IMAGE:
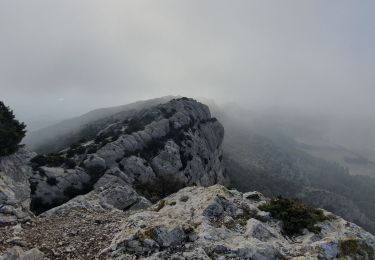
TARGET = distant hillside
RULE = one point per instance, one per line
(48, 139)
(356, 163)
(279, 166)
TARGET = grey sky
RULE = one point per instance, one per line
(63, 58)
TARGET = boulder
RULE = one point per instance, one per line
(17, 253)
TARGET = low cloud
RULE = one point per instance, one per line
(314, 56)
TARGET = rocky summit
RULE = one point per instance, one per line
(151, 184)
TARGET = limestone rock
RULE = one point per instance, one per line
(54, 186)
(95, 162)
(14, 187)
(218, 223)
(17, 253)
(137, 168)
(178, 140)
(111, 192)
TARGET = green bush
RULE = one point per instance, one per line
(295, 215)
(75, 149)
(52, 181)
(138, 124)
(72, 192)
(152, 149)
(52, 160)
(91, 149)
(160, 187)
(11, 131)
(354, 248)
(167, 113)
(134, 125)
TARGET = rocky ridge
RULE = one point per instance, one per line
(177, 140)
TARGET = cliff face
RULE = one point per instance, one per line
(14, 187)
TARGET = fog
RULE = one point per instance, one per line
(62, 58)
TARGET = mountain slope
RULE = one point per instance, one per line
(279, 166)
(49, 139)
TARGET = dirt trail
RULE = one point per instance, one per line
(75, 234)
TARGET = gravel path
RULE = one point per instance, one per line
(77, 234)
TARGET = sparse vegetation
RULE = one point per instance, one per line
(52, 181)
(11, 131)
(37, 204)
(208, 120)
(52, 160)
(167, 113)
(185, 158)
(353, 248)
(160, 205)
(152, 149)
(33, 186)
(235, 221)
(95, 172)
(75, 149)
(295, 215)
(133, 125)
(184, 198)
(160, 187)
(72, 192)
(91, 149)
(138, 124)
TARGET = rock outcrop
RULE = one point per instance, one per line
(112, 191)
(177, 141)
(15, 188)
(194, 223)
(216, 223)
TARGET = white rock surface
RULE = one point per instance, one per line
(112, 192)
(216, 223)
(17, 253)
(14, 187)
(189, 139)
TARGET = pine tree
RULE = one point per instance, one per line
(11, 131)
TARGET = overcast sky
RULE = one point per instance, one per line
(63, 58)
